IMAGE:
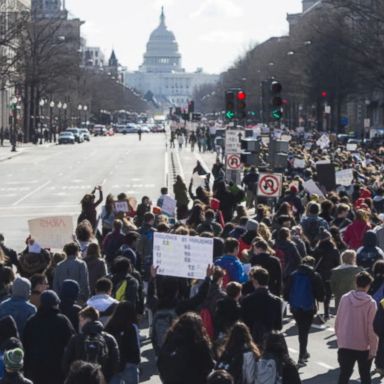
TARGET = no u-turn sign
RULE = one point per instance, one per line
(269, 185)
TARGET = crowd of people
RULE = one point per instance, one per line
(75, 316)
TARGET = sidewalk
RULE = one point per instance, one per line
(7, 154)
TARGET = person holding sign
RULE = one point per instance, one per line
(88, 207)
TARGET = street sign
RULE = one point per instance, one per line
(367, 123)
(233, 162)
(327, 109)
(269, 185)
(233, 141)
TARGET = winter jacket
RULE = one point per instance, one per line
(343, 280)
(46, 334)
(369, 253)
(228, 311)
(327, 257)
(288, 255)
(15, 378)
(73, 351)
(354, 322)
(354, 234)
(75, 269)
(111, 244)
(295, 202)
(262, 312)
(20, 309)
(312, 225)
(273, 266)
(181, 193)
(233, 267)
(97, 269)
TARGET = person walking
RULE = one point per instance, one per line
(303, 289)
(14, 362)
(181, 196)
(356, 338)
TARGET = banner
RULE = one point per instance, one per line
(52, 232)
(344, 177)
(182, 256)
(311, 187)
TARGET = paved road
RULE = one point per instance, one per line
(51, 180)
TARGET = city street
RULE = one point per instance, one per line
(51, 180)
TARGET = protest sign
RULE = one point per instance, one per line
(169, 206)
(351, 147)
(121, 206)
(344, 177)
(323, 142)
(52, 232)
(326, 175)
(299, 163)
(233, 141)
(182, 256)
(311, 187)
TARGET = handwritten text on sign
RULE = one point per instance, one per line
(52, 232)
(182, 256)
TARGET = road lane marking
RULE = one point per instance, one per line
(21, 182)
(181, 170)
(326, 366)
(31, 193)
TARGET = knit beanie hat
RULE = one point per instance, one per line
(252, 225)
(69, 290)
(21, 288)
(49, 299)
(14, 359)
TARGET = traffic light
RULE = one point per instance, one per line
(324, 94)
(241, 98)
(230, 105)
(191, 106)
(277, 101)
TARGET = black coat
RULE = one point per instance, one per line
(14, 378)
(273, 266)
(327, 257)
(262, 310)
(73, 351)
(228, 311)
(46, 335)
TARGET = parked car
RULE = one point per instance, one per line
(99, 130)
(79, 137)
(66, 138)
(86, 134)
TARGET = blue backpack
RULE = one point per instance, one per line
(301, 294)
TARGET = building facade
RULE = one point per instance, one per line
(161, 73)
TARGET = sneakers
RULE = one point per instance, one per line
(306, 356)
(301, 363)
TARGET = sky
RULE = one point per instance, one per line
(211, 34)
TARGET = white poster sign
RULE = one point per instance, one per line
(323, 142)
(182, 256)
(299, 163)
(233, 141)
(169, 206)
(52, 232)
(121, 206)
(351, 147)
(344, 177)
(311, 187)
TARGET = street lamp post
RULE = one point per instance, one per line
(14, 115)
(65, 115)
(51, 131)
(41, 103)
(59, 106)
(85, 108)
(79, 108)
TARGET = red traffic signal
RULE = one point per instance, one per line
(241, 95)
(324, 94)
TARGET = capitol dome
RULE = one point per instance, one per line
(162, 53)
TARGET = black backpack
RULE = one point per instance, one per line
(93, 348)
(233, 364)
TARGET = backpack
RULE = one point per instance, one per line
(233, 365)
(312, 230)
(206, 317)
(161, 322)
(379, 294)
(268, 372)
(93, 349)
(127, 290)
(301, 294)
(112, 247)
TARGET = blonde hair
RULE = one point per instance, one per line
(264, 232)
(348, 257)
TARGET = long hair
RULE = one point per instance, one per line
(123, 316)
(109, 203)
(84, 231)
(277, 346)
(197, 215)
(189, 329)
(82, 372)
(93, 251)
(239, 338)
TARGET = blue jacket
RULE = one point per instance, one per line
(233, 266)
(20, 309)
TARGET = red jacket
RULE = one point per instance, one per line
(353, 235)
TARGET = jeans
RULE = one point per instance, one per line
(304, 321)
(347, 359)
(129, 375)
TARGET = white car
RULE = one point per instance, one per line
(66, 138)
(86, 134)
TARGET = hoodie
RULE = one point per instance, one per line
(369, 253)
(354, 322)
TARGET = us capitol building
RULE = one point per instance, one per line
(161, 73)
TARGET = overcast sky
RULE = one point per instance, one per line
(211, 33)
